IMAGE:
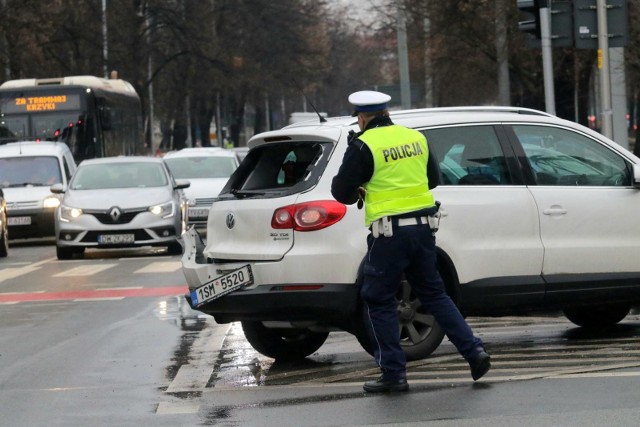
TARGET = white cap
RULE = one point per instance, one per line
(368, 100)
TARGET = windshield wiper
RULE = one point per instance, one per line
(242, 194)
(24, 184)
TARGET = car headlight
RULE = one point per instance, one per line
(51, 202)
(164, 210)
(68, 214)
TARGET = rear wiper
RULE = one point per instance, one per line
(241, 194)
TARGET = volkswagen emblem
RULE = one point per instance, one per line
(231, 220)
(115, 213)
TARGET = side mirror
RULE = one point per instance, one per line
(182, 183)
(636, 175)
(57, 188)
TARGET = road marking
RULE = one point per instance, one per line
(161, 267)
(92, 294)
(195, 375)
(85, 270)
(98, 299)
(174, 408)
(12, 273)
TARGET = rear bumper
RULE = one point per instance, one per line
(323, 303)
(330, 305)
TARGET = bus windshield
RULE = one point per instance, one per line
(48, 127)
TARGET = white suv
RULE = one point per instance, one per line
(538, 213)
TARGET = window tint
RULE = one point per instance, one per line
(562, 157)
(468, 155)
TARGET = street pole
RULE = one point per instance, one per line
(547, 58)
(104, 40)
(403, 58)
(603, 65)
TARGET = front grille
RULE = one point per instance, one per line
(22, 205)
(125, 217)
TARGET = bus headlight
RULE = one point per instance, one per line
(165, 210)
(68, 214)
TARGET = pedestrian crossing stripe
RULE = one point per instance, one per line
(85, 270)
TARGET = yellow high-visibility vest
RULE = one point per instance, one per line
(399, 183)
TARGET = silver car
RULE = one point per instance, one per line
(117, 202)
(208, 169)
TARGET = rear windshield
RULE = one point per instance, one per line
(275, 170)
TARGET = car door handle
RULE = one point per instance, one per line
(554, 210)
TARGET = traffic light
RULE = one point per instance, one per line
(561, 22)
(531, 13)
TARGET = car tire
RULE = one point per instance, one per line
(283, 344)
(600, 316)
(4, 242)
(64, 253)
(420, 334)
(174, 248)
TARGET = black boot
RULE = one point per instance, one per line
(383, 385)
(480, 365)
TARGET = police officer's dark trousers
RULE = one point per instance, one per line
(411, 250)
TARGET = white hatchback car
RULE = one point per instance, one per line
(538, 213)
(120, 202)
(207, 169)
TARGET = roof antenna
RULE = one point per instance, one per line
(322, 119)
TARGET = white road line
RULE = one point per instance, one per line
(161, 267)
(173, 408)
(21, 293)
(12, 273)
(194, 376)
(85, 270)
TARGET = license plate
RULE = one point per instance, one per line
(19, 220)
(115, 239)
(198, 212)
(222, 285)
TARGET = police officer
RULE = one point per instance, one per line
(386, 165)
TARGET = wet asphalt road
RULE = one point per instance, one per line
(109, 341)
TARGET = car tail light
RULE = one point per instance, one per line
(308, 216)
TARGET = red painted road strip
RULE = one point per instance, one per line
(96, 293)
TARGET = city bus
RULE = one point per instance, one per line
(95, 117)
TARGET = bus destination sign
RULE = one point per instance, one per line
(33, 104)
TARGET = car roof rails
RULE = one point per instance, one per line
(473, 109)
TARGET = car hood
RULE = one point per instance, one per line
(124, 198)
(204, 188)
(25, 194)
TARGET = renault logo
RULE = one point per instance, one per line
(231, 220)
(115, 213)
